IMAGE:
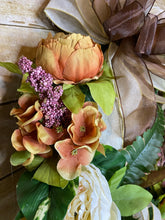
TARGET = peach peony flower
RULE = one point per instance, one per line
(70, 58)
(87, 125)
(31, 134)
(73, 157)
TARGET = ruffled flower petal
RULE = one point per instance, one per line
(72, 157)
(46, 135)
(34, 147)
(93, 199)
(17, 141)
(70, 58)
(86, 126)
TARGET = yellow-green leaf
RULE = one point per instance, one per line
(73, 98)
(19, 157)
(131, 199)
(11, 67)
(103, 93)
(47, 173)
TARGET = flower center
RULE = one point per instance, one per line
(82, 129)
(74, 152)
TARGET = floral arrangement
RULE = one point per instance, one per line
(90, 114)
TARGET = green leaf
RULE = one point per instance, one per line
(35, 163)
(19, 157)
(19, 215)
(42, 210)
(103, 93)
(60, 199)
(143, 153)
(107, 72)
(30, 194)
(85, 89)
(40, 201)
(110, 163)
(47, 173)
(11, 67)
(161, 205)
(67, 86)
(130, 199)
(25, 86)
(128, 218)
(102, 90)
(116, 179)
(73, 98)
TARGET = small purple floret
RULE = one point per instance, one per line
(40, 80)
(25, 65)
(52, 107)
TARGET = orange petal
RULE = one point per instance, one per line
(84, 129)
(47, 56)
(85, 155)
(38, 116)
(37, 106)
(47, 155)
(73, 157)
(46, 135)
(83, 63)
(29, 111)
(84, 43)
(16, 111)
(64, 148)
(26, 100)
(34, 147)
(17, 141)
(68, 169)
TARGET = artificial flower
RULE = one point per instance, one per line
(51, 105)
(135, 56)
(85, 131)
(28, 112)
(31, 134)
(87, 125)
(93, 200)
(73, 157)
(70, 58)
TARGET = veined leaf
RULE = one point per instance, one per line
(35, 163)
(67, 86)
(143, 153)
(116, 179)
(131, 199)
(19, 215)
(42, 210)
(30, 194)
(161, 205)
(110, 163)
(47, 173)
(60, 199)
(102, 90)
(73, 98)
(39, 201)
(11, 67)
(19, 157)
